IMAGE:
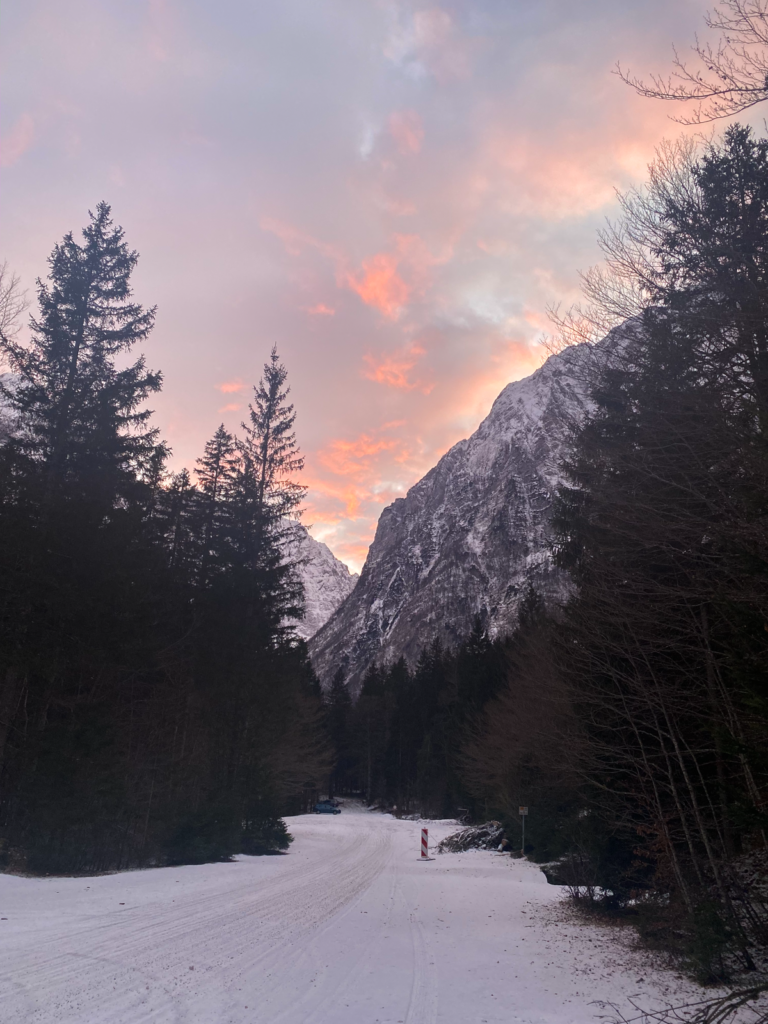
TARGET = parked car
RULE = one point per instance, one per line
(326, 807)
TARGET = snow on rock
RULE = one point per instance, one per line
(470, 536)
(327, 581)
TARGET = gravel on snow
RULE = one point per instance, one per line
(350, 927)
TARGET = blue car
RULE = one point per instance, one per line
(326, 807)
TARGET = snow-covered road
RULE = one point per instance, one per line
(348, 928)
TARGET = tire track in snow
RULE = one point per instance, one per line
(135, 966)
(422, 1004)
(366, 956)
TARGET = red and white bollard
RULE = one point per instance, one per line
(425, 844)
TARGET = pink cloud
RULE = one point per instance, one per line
(296, 241)
(321, 310)
(379, 285)
(494, 247)
(393, 369)
(406, 129)
(389, 280)
(230, 387)
(398, 207)
(386, 281)
(18, 140)
(353, 458)
(232, 407)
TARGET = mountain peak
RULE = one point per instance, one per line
(327, 581)
(470, 536)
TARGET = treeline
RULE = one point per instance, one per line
(633, 721)
(664, 529)
(397, 744)
(154, 706)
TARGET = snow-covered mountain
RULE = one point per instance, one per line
(469, 537)
(327, 581)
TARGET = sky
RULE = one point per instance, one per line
(391, 193)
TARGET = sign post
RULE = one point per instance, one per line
(425, 844)
(523, 816)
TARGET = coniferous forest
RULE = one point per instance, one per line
(157, 708)
(510, 763)
(633, 718)
(154, 707)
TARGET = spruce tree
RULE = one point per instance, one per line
(83, 431)
(263, 494)
(76, 484)
(213, 472)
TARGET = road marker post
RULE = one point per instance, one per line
(425, 844)
(523, 816)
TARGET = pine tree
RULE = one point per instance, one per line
(263, 494)
(214, 471)
(141, 616)
(83, 428)
(78, 477)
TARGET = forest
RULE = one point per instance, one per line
(154, 706)
(631, 720)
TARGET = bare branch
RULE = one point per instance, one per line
(626, 283)
(13, 303)
(726, 79)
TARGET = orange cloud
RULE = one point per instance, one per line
(345, 501)
(352, 458)
(380, 285)
(406, 129)
(17, 141)
(354, 554)
(321, 310)
(232, 407)
(353, 478)
(393, 370)
(230, 387)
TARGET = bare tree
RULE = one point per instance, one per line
(628, 280)
(13, 302)
(727, 78)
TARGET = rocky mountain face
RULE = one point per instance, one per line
(470, 536)
(327, 581)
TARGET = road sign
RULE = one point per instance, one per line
(523, 811)
(424, 844)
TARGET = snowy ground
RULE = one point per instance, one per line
(348, 928)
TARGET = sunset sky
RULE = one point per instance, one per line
(392, 193)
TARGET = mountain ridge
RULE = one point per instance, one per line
(470, 536)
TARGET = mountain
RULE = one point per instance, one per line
(327, 581)
(470, 536)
